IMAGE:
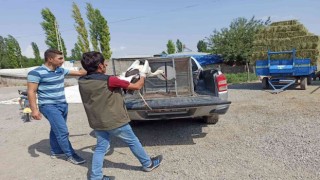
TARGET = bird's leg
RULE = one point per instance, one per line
(144, 101)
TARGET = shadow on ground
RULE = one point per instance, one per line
(150, 133)
(258, 86)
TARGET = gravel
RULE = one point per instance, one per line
(262, 136)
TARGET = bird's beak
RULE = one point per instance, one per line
(164, 76)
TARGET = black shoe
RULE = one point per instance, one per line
(108, 178)
(155, 162)
(75, 159)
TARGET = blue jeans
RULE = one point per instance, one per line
(59, 135)
(126, 134)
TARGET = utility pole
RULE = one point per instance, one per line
(58, 36)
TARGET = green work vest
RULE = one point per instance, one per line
(105, 109)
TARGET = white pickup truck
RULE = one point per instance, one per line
(187, 92)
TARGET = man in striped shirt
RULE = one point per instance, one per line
(48, 82)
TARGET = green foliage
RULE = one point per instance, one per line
(99, 31)
(36, 53)
(235, 43)
(13, 52)
(3, 53)
(11, 57)
(104, 36)
(50, 26)
(202, 46)
(179, 46)
(83, 41)
(29, 62)
(170, 47)
(93, 26)
(240, 78)
(76, 52)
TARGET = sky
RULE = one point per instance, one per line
(143, 27)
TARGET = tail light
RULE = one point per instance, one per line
(222, 82)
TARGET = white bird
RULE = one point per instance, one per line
(123, 76)
(158, 73)
(136, 68)
(132, 75)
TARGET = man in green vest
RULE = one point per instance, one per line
(107, 114)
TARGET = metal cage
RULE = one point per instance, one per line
(179, 81)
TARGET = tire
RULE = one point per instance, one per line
(303, 83)
(211, 119)
(27, 117)
(265, 83)
(309, 80)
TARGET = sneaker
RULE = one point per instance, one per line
(155, 162)
(75, 159)
(108, 178)
(57, 156)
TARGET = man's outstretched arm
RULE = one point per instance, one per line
(81, 72)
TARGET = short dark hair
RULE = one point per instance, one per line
(51, 53)
(91, 60)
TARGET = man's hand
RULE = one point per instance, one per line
(36, 114)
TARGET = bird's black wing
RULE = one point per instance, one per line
(133, 80)
(131, 72)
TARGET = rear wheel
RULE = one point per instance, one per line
(309, 80)
(303, 83)
(265, 83)
(28, 117)
(213, 119)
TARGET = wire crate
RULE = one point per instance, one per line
(178, 71)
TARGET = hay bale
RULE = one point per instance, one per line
(284, 36)
(284, 23)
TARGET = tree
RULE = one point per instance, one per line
(99, 31)
(179, 46)
(50, 26)
(202, 46)
(104, 36)
(83, 41)
(36, 53)
(235, 43)
(13, 52)
(3, 53)
(93, 26)
(170, 47)
(76, 52)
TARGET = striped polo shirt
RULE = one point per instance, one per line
(50, 84)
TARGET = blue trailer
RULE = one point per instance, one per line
(282, 73)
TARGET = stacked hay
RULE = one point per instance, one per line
(284, 36)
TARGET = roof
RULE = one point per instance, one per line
(202, 58)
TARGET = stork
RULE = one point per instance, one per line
(132, 75)
(135, 68)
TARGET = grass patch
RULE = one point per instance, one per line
(240, 78)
